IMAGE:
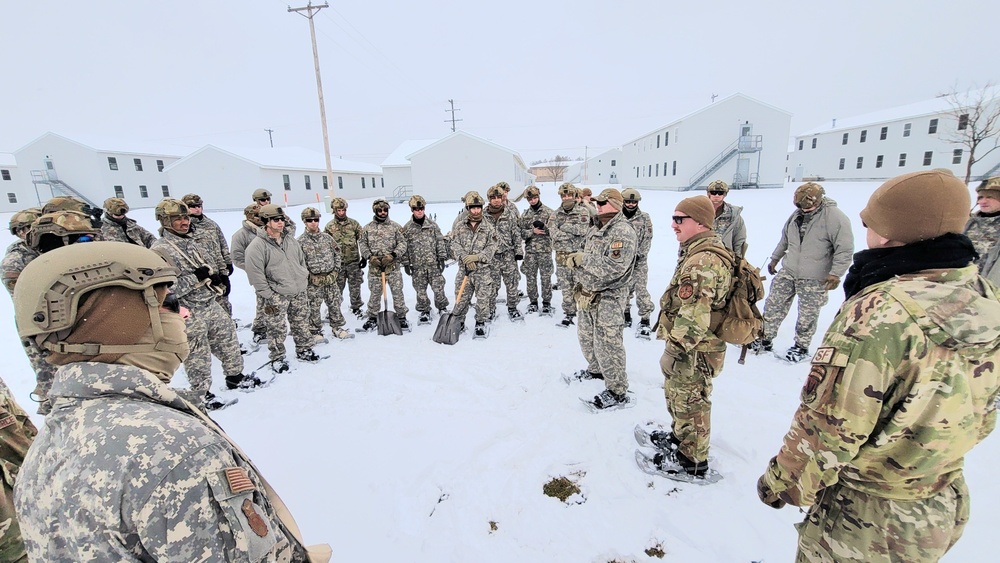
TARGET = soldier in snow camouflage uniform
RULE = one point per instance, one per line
(643, 226)
(347, 232)
(119, 227)
(426, 252)
(603, 274)
(323, 262)
(262, 197)
(693, 355)
(208, 233)
(209, 328)
(18, 254)
(16, 434)
(537, 265)
(241, 239)
(124, 468)
(473, 243)
(983, 227)
(903, 386)
(382, 244)
(729, 223)
(510, 249)
(567, 227)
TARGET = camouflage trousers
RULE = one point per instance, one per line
(567, 281)
(599, 330)
(44, 374)
(394, 281)
(478, 284)
(432, 276)
(258, 326)
(537, 269)
(783, 289)
(687, 386)
(333, 297)
(504, 267)
(223, 300)
(640, 281)
(281, 311)
(210, 331)
(351, 276)
(846, 525)
(16, 437)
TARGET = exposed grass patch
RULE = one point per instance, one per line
(561, 488)
(656, 551)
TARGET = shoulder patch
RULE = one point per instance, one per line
(617, 245)
(256, 521)
(824, 356)
(816, 376)
(238, 480)
(685, 291)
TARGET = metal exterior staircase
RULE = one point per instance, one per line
(742, 145)
(59, 188)
(402, 193)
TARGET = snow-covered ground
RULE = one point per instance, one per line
(400, 449)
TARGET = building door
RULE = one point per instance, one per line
(50, 170)
(742, 172)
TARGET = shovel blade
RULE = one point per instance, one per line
(448, 329)
(388, 324)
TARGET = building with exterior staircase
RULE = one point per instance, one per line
(737, 139)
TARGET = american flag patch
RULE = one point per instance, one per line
(617, 244)
(7, 421)
(239, 481)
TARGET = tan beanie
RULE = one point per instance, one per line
(918, 206)
(612, 196)
(700, 209)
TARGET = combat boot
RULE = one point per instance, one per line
(212, 403)
(514, 314)
(370, 325)
(608, 398)
(644, 329)
(761, 345)
(480, 331)
(628, 317)
(796, 354)
(403, 324)
(664, 440)
(425, 317)
(532, 308)
(568, 321)
(357, 313)
(342, 334)
(279, 365)
(259, 337)
(675, 457)
(307, 356)
(546, 309)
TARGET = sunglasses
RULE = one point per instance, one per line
(679, 219)
(599, 202)
(717, 192)
(85, 238)
(276, 219)
(311, 220)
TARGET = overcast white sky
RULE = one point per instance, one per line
(539, 76)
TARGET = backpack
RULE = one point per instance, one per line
(739, 321)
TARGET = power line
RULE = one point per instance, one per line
(452, 110)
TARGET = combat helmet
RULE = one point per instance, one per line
(67, 203)
(417, 202)
(631, 195)
(495, 191)
(567, 189)
(338, 203)
(260, 194)
(250, 212)
(23, 219)
(532, 191)
(115, 206)
(473, 199)
(169, 208)
(809, 195)
(310, 213)
(193, 200)
(718, 185)
(271, 211)
(61, 228)
(380, 203)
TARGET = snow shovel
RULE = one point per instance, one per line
(387, 321)
(449, 326)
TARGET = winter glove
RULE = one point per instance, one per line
(574, 260)
(831, 283)
(387, 260)
(519, 257)
(221, 280)
(766, 496)
(270, 307)
(538, 225)
(375, 263)
(584, 299)
(362, 263)
(470, 259)
(229, 269)
(408, 270)
(674, 360)
(201, 272)
(772, 268)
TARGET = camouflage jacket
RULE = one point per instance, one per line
(276, 268)
(379, 239)
(241, 239)
(731, 229)
(187, 254)
(508, 227)
(346, 233)
(425, 245)
(699, 286)
(130, 232)
(817, 244)
(643, 226)
(209, 242)
(481, 241)
(16, 435)
(568, 228)
(204, 224)
(17, 257)
(984, 232)
(536, 244)
(143, 478)
(322, 254)
(903, 385)
(608, 256)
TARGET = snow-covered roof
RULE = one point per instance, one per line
(399, 156)
(474, 137)
(704, 108)
(101, 143)
(7, 159)
(295, 158)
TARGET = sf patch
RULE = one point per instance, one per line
(256, 521)
(685, 291)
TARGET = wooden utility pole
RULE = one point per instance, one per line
(452, 110)
(311, 11)
(269, 138)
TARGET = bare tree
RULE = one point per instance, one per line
(977, 122)
(553, 170)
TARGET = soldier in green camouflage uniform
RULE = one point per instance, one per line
(537, 265)
(209, 328)
(693, 354)
(241, 239)
(473, 243)
(126, 469)
(382, 244)
(426, 253)
(209, 233)
(983, 227)
(117, 226)
(603, 274)
(643, 226)
(729, 223)
(16, 434)
(510, 249)
(567, 227)
(323, 261)
(903, 386)
(347, 233)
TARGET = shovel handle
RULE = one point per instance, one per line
(385, 294)
(461, 288)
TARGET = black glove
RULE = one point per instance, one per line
(538, 225)
(362, 263)
(766, 496)
(407, 269)
(229, 269)
(201, 272)
(519, 257)
(222, 280)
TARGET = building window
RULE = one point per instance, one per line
(363, 183)
(932, 128)
(382, 181)
(883, 134)
(927, 157)
(675, 168)
(878, 161)
(340, 182)
(963, 122)
(119, 192)
(657, 142)
(11, 197)
(612, 162)
(287, 181)
(159, 166)
(308, 182)
(800, 144)
(373, 183)
(326, 182)
(843, 141)
(814, 142)
(143, 192)
(112, 163)
(658, 169)
(649, 172)
(666, 142)
(165, 190)
(5, 174)
(841, 165)
(861, 161)
(138, 164)
(864, 135)
(906, 129)
(956, 156)
(902, 159)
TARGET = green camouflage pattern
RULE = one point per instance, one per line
(481, 241)
(426, 253)
(346, 233)
(537, 265)
(15, 259)
(384, 238)
(16, 435)
(984, 232)
(567, 229)
(323, 260)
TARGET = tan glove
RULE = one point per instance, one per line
(375, 262)
(574, 260)
(831, 283)
(766, 495)
(387, 260)
(470, 259)
(772, 268)
(584, 299)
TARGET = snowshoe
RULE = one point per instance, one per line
(555, 286)
(514, 315)
(668, 465)
(279, 366)
(760, 346)
(582, 375)
(308, 356)
(318, 338)
(213, 403)
(341, 334)
(532, 308)
(608, 400)
(403, 324)
(259, 337)
(546, 311)
(794, 355)
(657, 438)
(566, 322)
(358, 313)
(480, 332)
(628, 318)
(424, 319)
(370, 325)
(643, 331)
(246, 382)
